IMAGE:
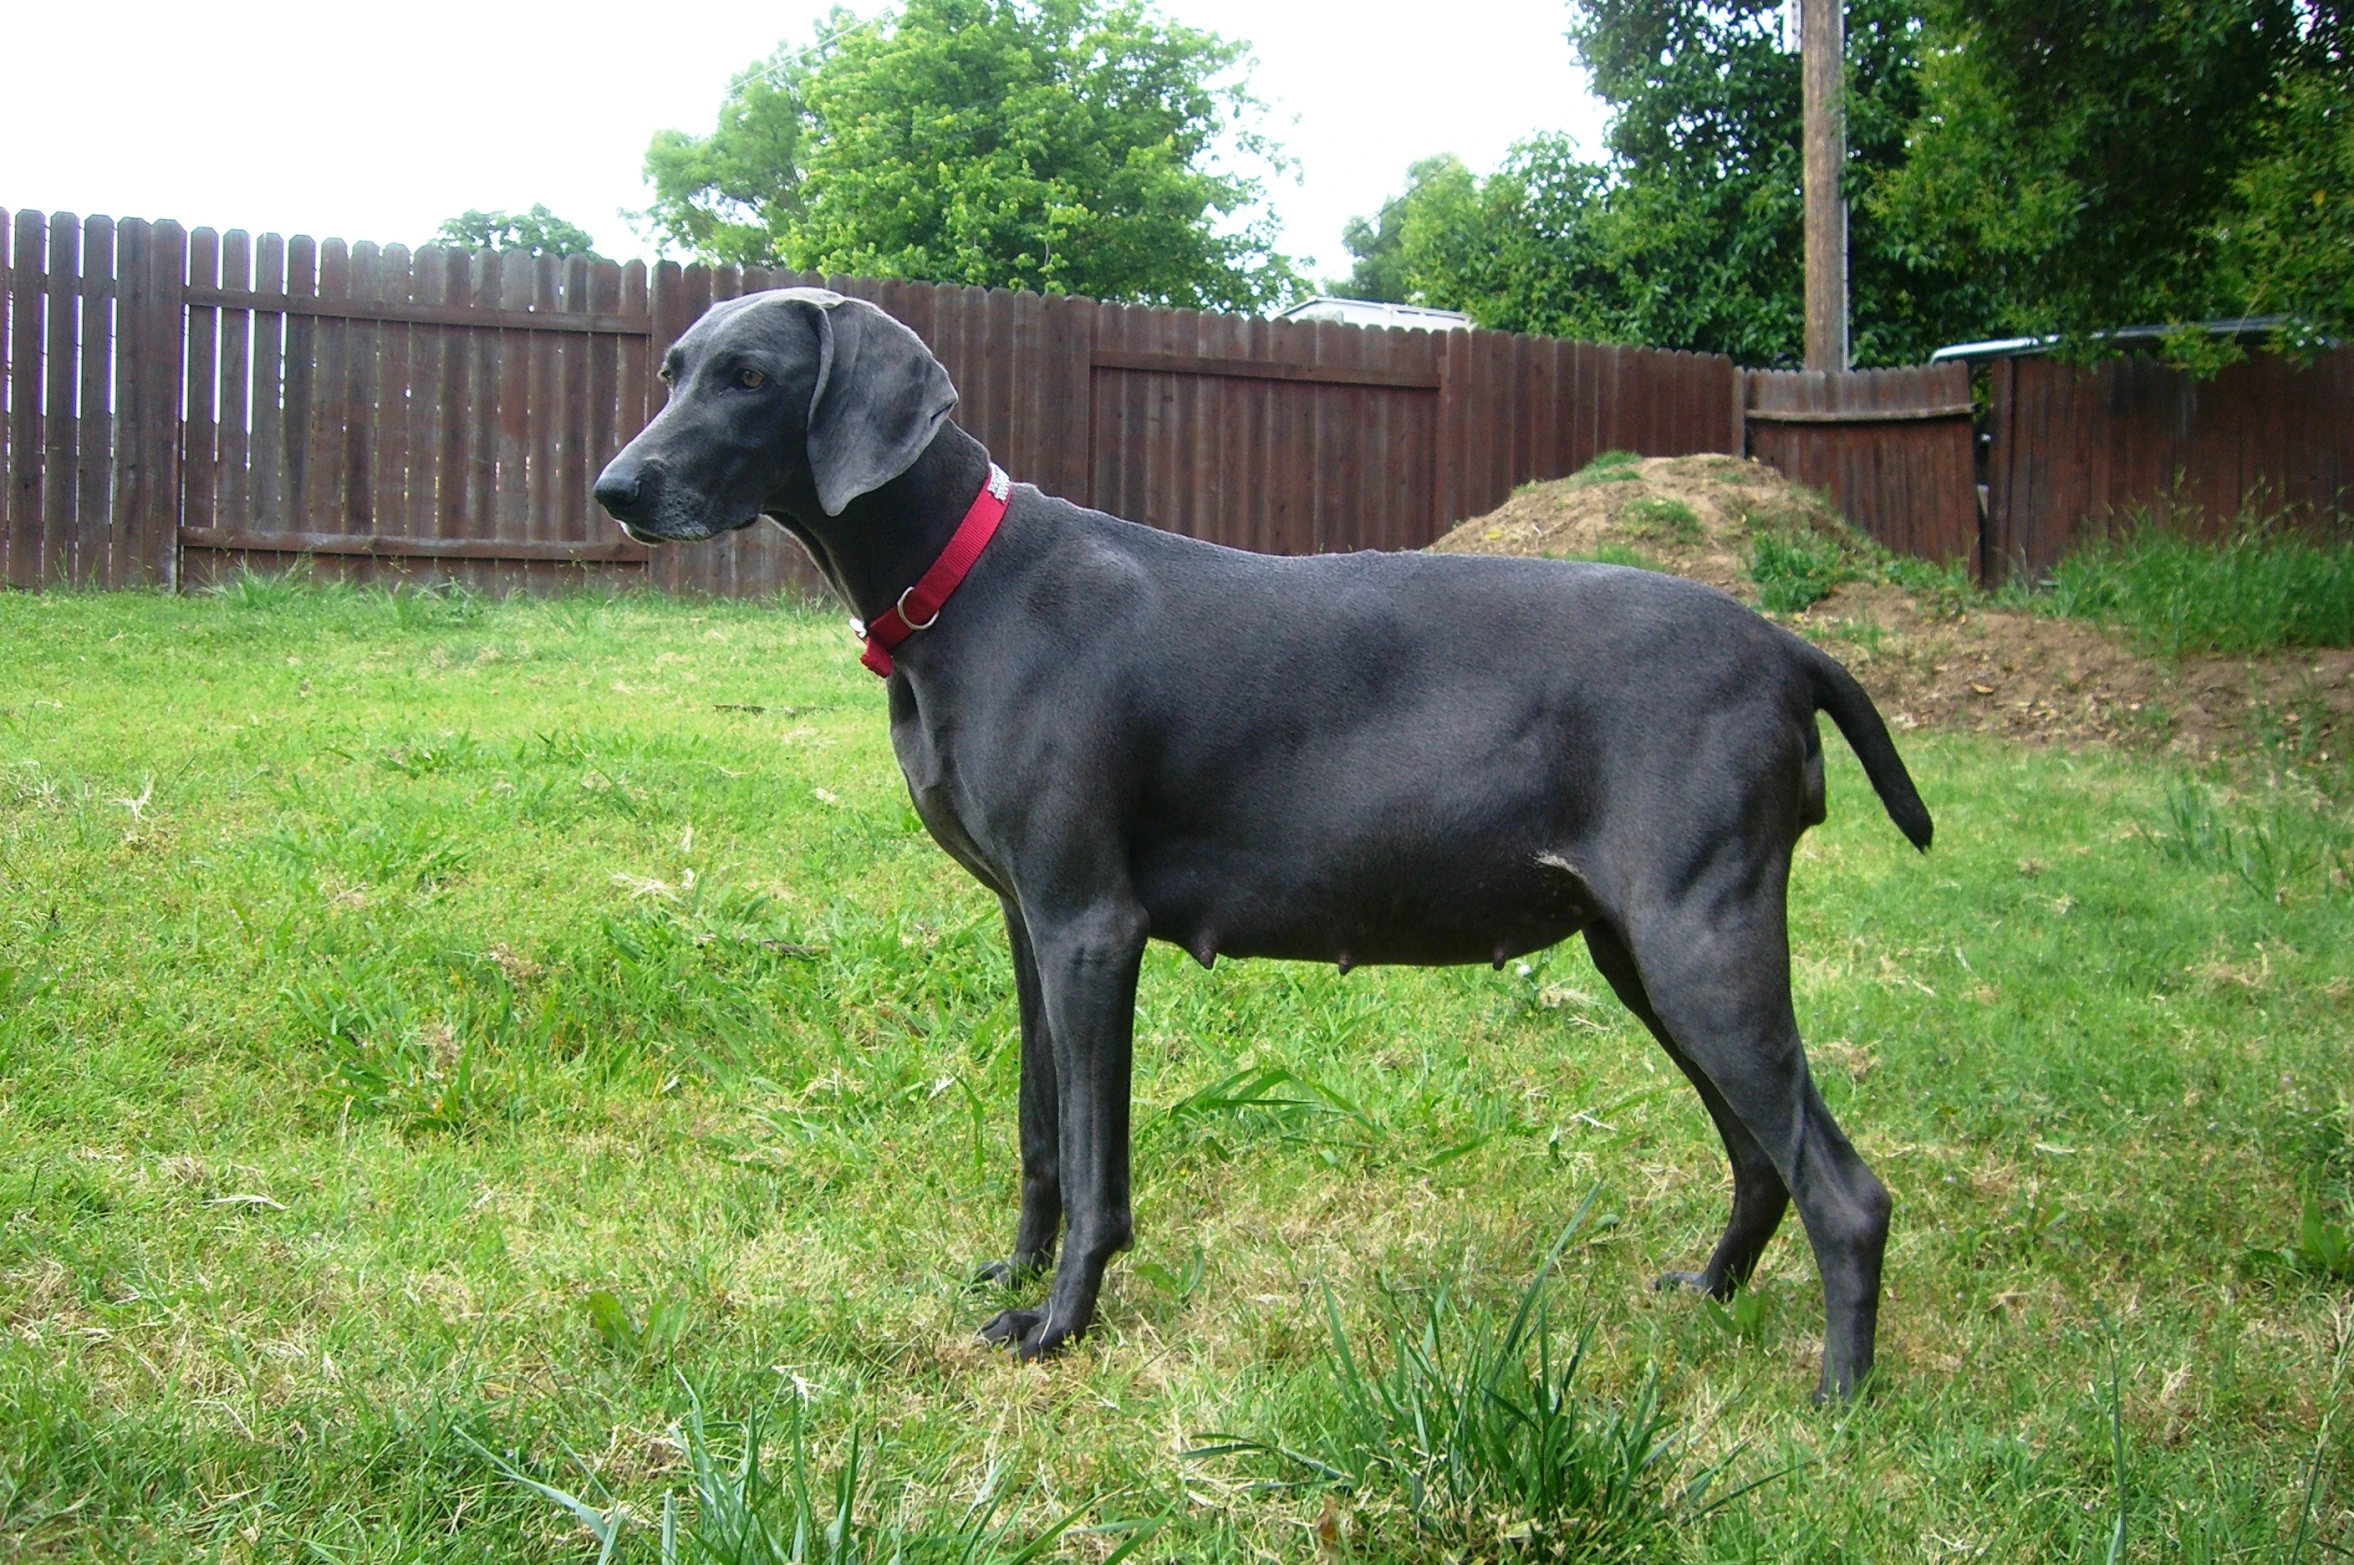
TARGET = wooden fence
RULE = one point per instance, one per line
(2072, 448)
(177, 403)
(173, 404)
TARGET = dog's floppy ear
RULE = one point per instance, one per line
(880, 399)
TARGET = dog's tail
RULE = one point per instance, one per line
(1837, 693)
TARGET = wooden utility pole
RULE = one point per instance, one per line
(1823, 54)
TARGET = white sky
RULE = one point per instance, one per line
(363, 123)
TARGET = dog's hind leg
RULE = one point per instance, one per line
(1087, 966)
(1042, 1188)
(1759, 1196)
(1714, 958)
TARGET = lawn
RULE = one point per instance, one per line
(444, 1040)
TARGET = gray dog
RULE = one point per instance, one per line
(1130, 735)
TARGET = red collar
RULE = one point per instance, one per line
(920, 604)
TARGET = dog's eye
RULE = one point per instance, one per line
(663, 375)
(750, 380)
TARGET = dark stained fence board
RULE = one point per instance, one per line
(478, 515)
(21, 234)
(1893, 448)
(60, 428)
(514, 350)
(360, 431)
(200, 460)
(388, 484)
(2080, 449)
(302, 341)
(94, 410)
(266, 448)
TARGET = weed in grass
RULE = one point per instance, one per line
(1661, 520)
(1610, 467)
(253, 591)
(2260, 587)
(666, 1322)
(1485, 1442)
(1616, 554)
(1944, 588)
(2273, 848)
(1795, 569)
(739, 1511)
(1742, 1317)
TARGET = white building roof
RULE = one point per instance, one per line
(1373, 312)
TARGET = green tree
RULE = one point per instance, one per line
(2288, 232)
(2104, 162)
(1067, 146)
(1691, 233)
(536, 232)
(1377, 245)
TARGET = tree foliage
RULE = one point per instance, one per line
(1691, 233)
(1068, 146)
(536, 232)
(2105, 162)
(2014, 166)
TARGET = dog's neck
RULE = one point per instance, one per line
(884, 540)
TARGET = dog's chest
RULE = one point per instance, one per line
(933, 787)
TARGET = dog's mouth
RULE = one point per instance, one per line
(684, 530)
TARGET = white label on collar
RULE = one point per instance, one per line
(999, 484)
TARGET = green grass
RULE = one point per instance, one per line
(2260, 588)
(444, 1042)
(1609, 467)
(1660, 519)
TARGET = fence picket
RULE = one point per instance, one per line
(388, 485)
(61, 429)
(200, 472)
(94, 409)
(362, 432)
(27, 291)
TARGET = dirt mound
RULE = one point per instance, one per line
(1931, 652)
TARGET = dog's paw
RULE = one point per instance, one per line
(1012, 1328)
(1027, 1333)
(1693, 1281)
(994, 1274)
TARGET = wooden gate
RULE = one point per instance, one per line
(1893, 447)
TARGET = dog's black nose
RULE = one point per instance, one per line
(619, 489)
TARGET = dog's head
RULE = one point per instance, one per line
(784, 401)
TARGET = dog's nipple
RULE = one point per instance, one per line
(1205, 948)
(1346, 962)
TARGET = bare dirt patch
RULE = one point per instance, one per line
(1931, 658)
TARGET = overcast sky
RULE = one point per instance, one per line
(367, 123)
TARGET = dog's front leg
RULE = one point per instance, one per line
(1042, 1186)
(1087, 964)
